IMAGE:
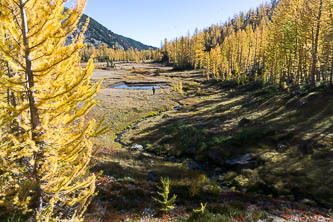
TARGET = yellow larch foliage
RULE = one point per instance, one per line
(45, 145)
(105, 54)
(287, 43)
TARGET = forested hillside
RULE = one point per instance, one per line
(287, 43)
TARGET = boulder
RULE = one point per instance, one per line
(137, 147)
(245, 161)
(281, 147)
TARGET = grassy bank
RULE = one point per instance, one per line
(249, 152)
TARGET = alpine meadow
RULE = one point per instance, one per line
(230, 122)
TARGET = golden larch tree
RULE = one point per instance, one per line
(45, 145)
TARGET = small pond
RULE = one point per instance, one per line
(136, 86)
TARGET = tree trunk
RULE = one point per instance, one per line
(314, 70)
(331, 73)
(34, 117)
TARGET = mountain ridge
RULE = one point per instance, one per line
(97, 34)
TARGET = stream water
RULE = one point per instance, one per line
(192, 164)
(119, 135)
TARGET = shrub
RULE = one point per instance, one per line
(201, 210)
(165, 203)
(197, 179)
(190, 136)
(250, 134)
(213, 187)
(234, 209)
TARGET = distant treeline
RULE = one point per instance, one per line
(105, 54)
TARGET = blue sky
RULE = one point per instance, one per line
(150, 21)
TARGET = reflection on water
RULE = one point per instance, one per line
(138, 87)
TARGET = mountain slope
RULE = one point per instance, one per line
(97, 34)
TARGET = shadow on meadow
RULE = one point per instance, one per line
(213, 123)
(288, 137)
